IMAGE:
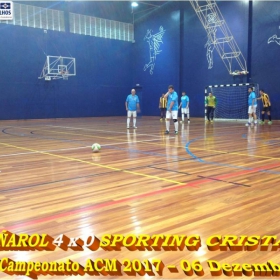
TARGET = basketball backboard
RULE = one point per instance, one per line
(58, 67)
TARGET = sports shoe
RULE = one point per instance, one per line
(189, 121)
(270, 122)
(261, 122)
(166, 132)
(134, 126)
(207, 121)
(248, 124)
(128, 127)
(176, 132)
(212, 121)
(161, 119)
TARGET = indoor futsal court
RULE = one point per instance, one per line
(209, 179)
(75, 174)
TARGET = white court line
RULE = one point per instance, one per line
(83, 147)
(140, 141)
(72, 128)
(99, 130)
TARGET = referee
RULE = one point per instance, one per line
(162, 106)
(266, 106)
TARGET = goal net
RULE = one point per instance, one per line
(232, 101)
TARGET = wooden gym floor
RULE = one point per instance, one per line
(220, 178)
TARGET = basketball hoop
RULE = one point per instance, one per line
(64, 73)
(239, 73)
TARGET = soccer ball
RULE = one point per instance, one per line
(96, 147)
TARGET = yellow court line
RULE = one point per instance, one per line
(178, 146)
(96, 164)
(221, 152)
(173, 145)
(240, 154)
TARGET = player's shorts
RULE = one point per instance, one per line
(131, 113)
(252, 109)
(185, 110)
(266, 109)
(173, 114)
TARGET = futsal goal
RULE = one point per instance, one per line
(232, 101)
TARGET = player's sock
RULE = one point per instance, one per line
(183, 117)
(249, 120)
(134, 122)
(263, 117)
(176, 126)
(128, 121)
(167, 125)
(269, 117)
(188, 116)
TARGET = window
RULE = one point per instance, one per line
(99, 27)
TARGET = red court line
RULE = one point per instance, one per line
(102, 205)
(114, 202)
(247, 171)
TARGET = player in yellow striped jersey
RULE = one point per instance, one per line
(266, 106)
(162, 106)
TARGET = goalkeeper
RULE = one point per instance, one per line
(210, 103)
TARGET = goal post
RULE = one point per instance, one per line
(232, 101)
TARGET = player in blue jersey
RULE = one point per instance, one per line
(252, 103)
(132, 107)
(171, 109)
(185, 107)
